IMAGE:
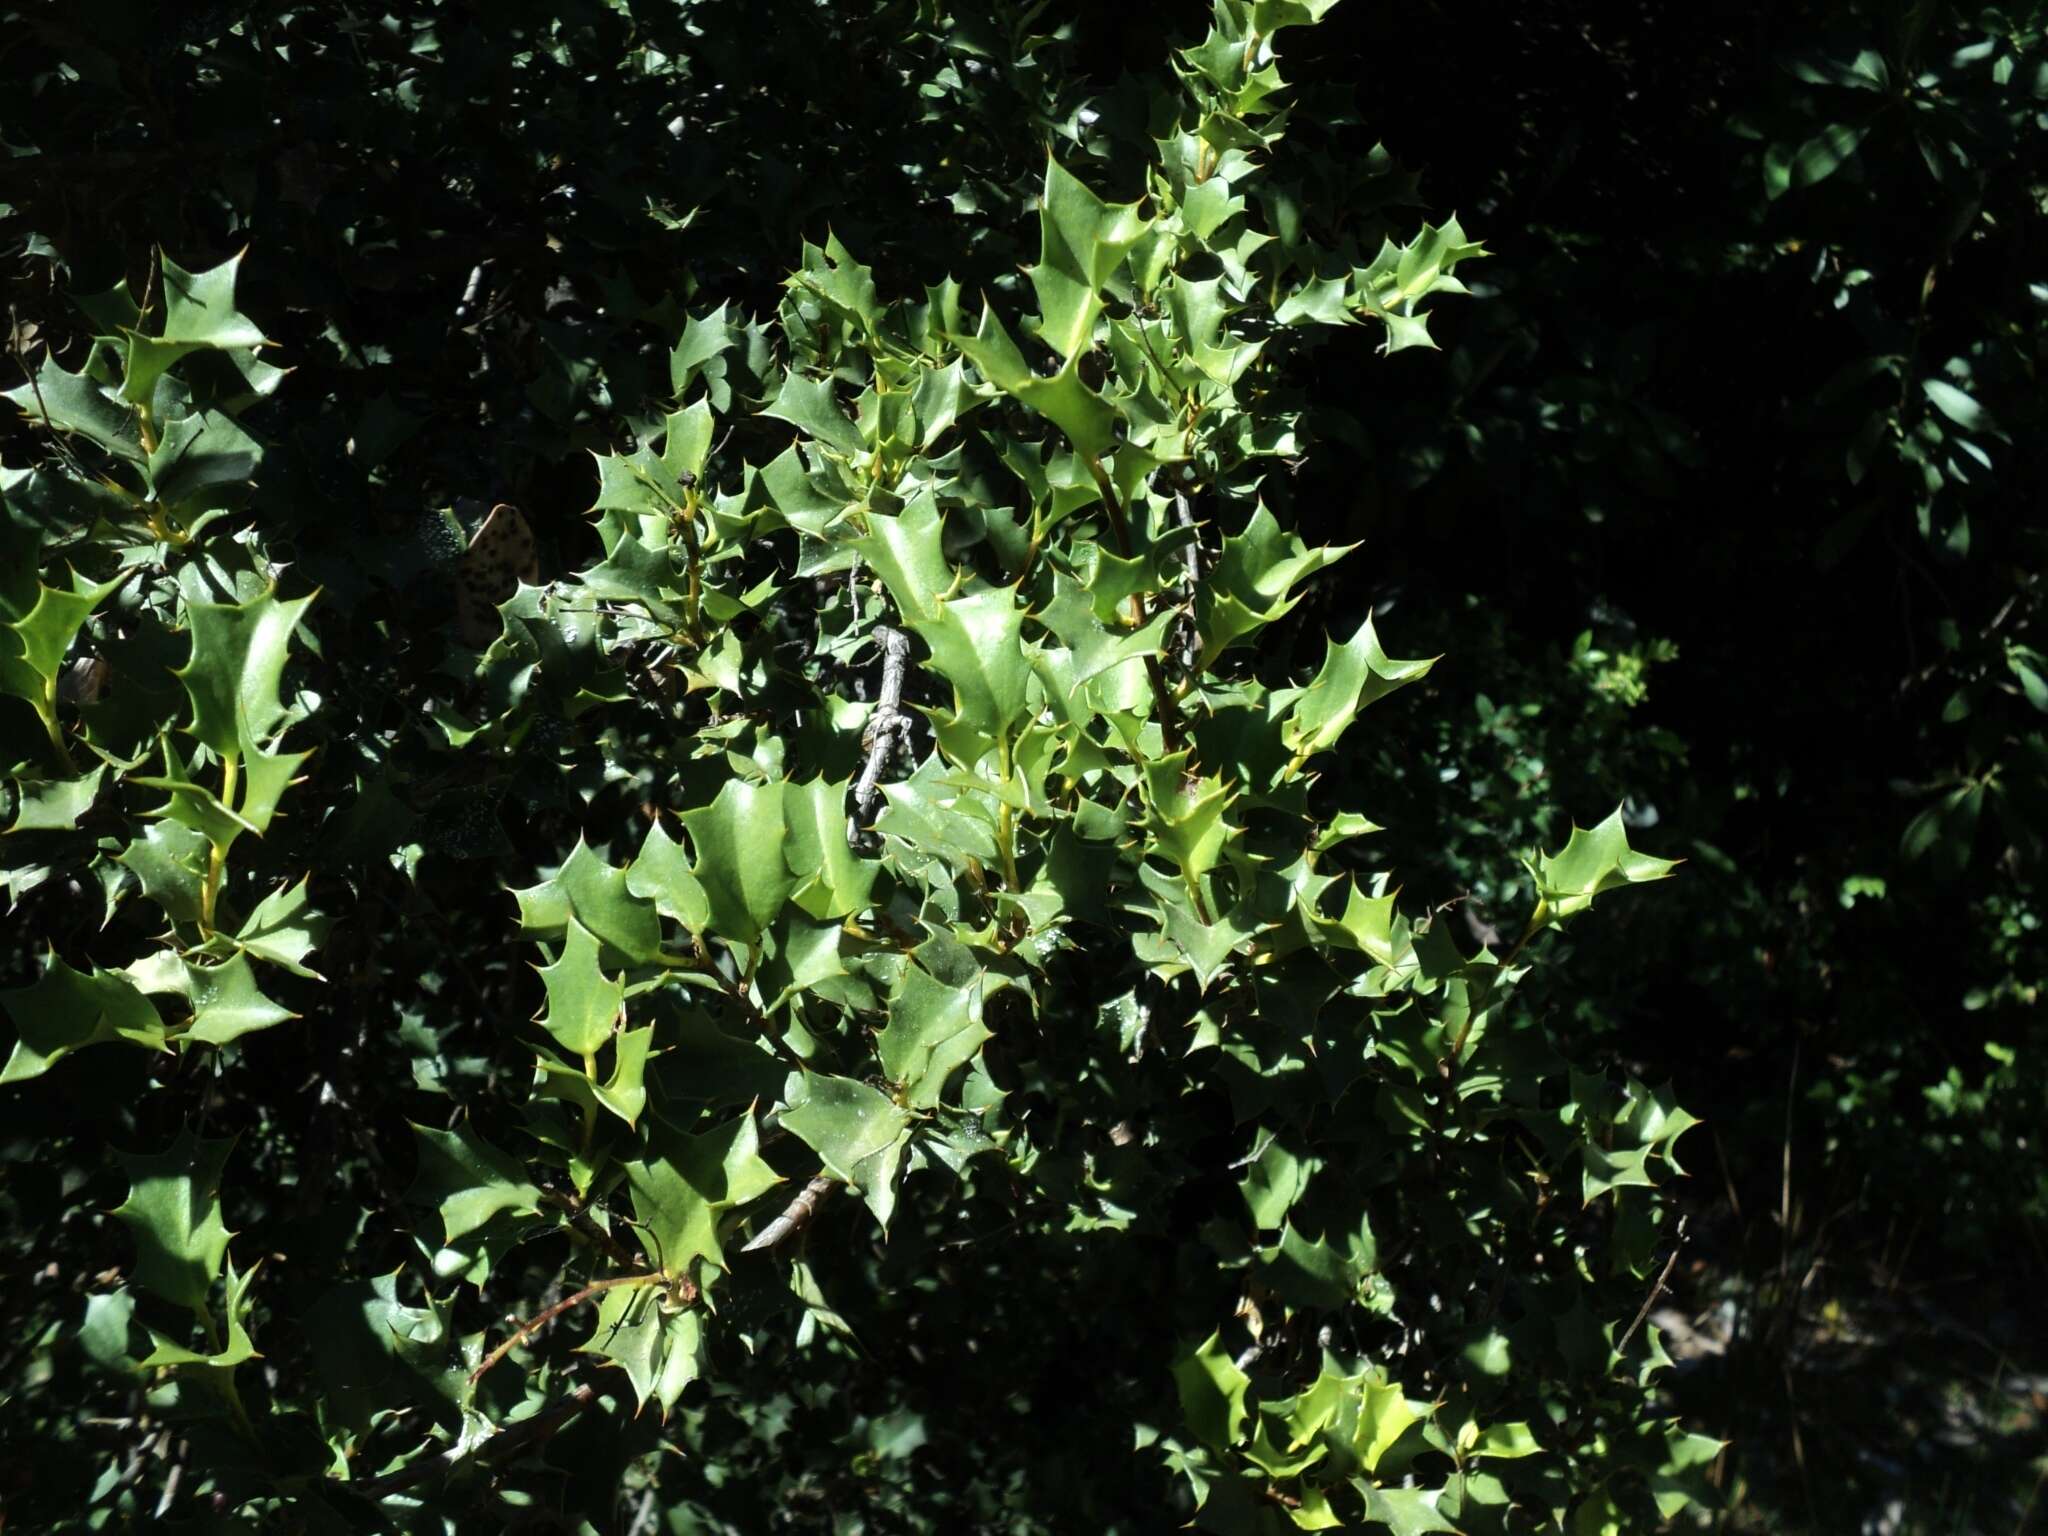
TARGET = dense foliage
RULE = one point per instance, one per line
(849, 985)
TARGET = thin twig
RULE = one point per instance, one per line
(1171, 725)
(1191, 562)
(528, 1329)
(36, 386)
(502, 1446)
(795, 1215)
(1659, 1289)
(888, 724)
(586, 1225)
(176, 1475)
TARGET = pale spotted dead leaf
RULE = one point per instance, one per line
(497, 560)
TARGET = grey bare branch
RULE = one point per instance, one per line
(887, 725)
(794, 1215)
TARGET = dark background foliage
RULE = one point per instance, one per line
(1724, 497)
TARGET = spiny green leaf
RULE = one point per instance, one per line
(1184, 814)
(37, 641)
(1275, 1181)
(1384, 1416)
(1354, 674)
(739, 840)
(661, 874)
(468, 1180)
(1506, 1442)
(71, 402)
(198, 452)
(977, 645)
(284, 929)
(598, 896)
(688, 1183)
(833, 882)
(660, 1352)
(64, 1010)
(1062, 399)
(226, 1002)
(1253, 582)
(907, 551)
(1212, 1393)
(808, 404)
(1406, 1511)
(845, 1122)
(932, 1030)
(234, 1350)
(173, 1208)
(583, 1003)
(1593, 860)
(705, 338)
(1073, 616)
(199, 307)
(54, 805)
(1083, 240)
(622, 1093)
(170, 859)
(239, 652)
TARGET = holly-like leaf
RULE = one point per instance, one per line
(660, 1352)
(71, 402)
(199, 307)
(261, 778)
(977, 645)
(1309, 1272)
(1212, 1393)
(808, 405)
(54, 805)
(583, 1002)
(226, 1002)
(1095, 646)
(1253, 582)
(832, 880)
(688, 1183)
(239, 652)
(739, 840)
(1082, 241)
(1062, 399)
(1593, 860)
(367, 1344)
(173, 1208)
(1384, 1416)
(907, 551)
(65, 1010)
(284, 929)
(623, 1093)
(601, 898)
(197, 452)
(235, 1349)
(35, 642)
(468, 1180)
(1354, 674)
(933, 1029)
(1184, 814)
(705, 338)
(845, 1122)
(661, 874)
(1507, 1442)
(1274, 1181)
(1406, 1511)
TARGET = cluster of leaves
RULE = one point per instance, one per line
(1768, 426)
(1058, 941)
